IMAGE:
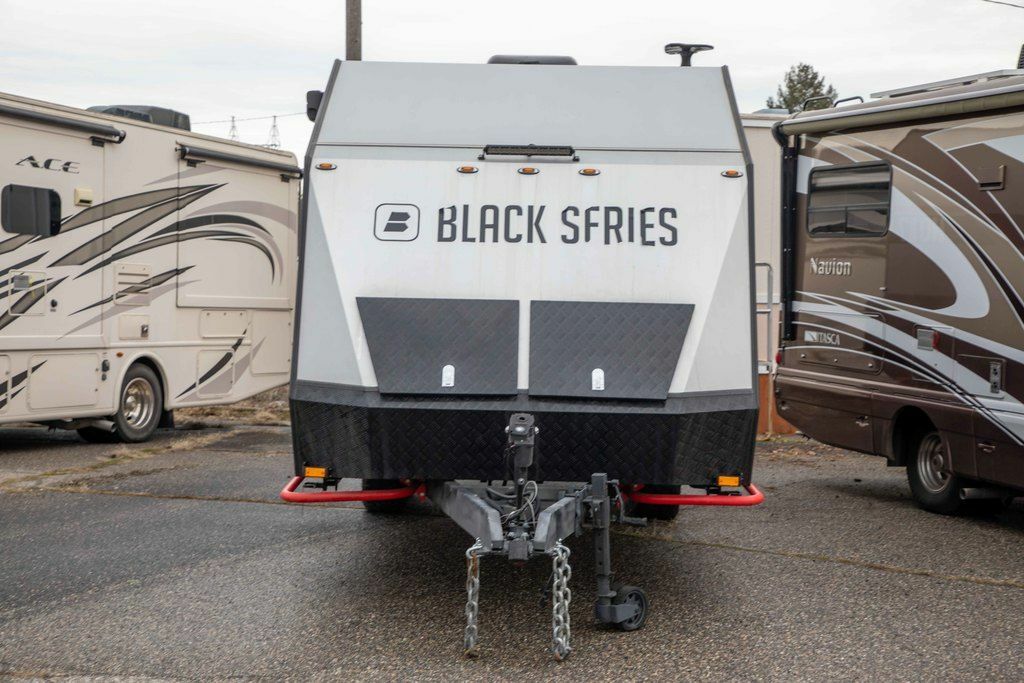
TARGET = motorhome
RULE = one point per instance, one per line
(521, 254)
(903, 283)
(143, 267)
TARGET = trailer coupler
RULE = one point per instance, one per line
(522, 519)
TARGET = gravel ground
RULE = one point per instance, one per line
(175, 559)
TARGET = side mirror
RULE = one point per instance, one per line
(313, 100)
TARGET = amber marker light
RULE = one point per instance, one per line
(322, 472)
(529, 170)
(589, 171)
(326, 166)
(724, 480)
(468, 169)
(732, 173)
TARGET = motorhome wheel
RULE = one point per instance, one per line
(138, 414)
(933, 485)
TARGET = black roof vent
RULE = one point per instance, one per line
(532, 59)
(158, 115)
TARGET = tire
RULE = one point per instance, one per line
(94, 435)
(632, 594)
(665, 513)
(934, 487)
(140, 406)
(383, 507)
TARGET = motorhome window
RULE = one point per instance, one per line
(30, 210)
(849, 201)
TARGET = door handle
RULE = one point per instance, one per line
(862, 421)
(986, 447)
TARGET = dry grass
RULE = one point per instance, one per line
(268, 408)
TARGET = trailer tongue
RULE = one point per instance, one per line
(541, 338)
(528, 519)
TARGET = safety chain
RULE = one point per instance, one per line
(560, 598)
(472, 596)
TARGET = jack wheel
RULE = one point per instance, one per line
(631, 595)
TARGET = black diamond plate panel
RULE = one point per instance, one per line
(387, 443)
(634, 346)
(412, 340)
(715, 443)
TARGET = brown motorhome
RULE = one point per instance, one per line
(903, 283)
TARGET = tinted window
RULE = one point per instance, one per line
(30, 210)
(849, 201)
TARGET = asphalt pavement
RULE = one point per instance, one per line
(175, 559)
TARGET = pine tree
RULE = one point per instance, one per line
(801, 83)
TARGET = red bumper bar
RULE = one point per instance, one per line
(289, 495)
(752, 497)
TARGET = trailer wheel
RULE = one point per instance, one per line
(665, 513)
(94, 435)
(933, 485)
(383, 507)
(635, 596)
(139, 410)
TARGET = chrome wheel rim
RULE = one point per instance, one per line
(931, 464)
(138, 402)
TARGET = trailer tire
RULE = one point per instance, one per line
(383, 507)
(96, 435)
(637, 596)
(934, 487)
(664, 513)
(140, 406)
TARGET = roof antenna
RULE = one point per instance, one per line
(686, 51)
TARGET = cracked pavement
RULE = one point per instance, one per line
(175, 559)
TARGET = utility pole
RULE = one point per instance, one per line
(353, 30)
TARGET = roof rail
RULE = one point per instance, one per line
(949, 83)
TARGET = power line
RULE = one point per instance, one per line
(1001, 2)
(251, 118)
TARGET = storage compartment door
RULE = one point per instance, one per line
(606, 350)
(442, 346)
(70, 380)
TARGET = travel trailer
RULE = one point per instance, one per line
(546, 279)
(903, 283)
(143, 267)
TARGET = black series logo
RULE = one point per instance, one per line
(397, 222)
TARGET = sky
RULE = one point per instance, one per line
(216, 58)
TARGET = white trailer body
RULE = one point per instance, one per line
(451, 274)
(129, 244)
